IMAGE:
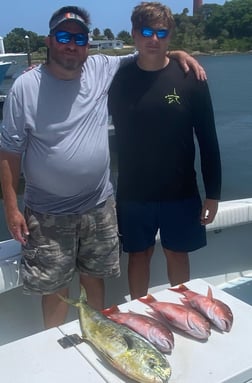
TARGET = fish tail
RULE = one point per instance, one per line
(83, 295)
(75, 302)
(147, 299)
(111, 310)
(179, 289)
(72, 302)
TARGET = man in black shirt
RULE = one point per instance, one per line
(158, 111)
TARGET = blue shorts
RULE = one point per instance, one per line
(177, 221)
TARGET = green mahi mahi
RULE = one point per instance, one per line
(123, 348)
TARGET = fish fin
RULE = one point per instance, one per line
(131, 311)
(147, 299)
(159, 317)
(186, 302)
(179, 289)
(111, 310)
(210, 293)
(155, 314)
(109, 359)
(129, 341)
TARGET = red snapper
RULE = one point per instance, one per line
(215, 310)
(150, 328)
(186, 319)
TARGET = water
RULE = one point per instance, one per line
(230, 83)
(5, 86)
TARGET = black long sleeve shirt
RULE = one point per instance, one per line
(158, 117)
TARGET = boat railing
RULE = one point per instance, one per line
(230, 214)
(10, 251)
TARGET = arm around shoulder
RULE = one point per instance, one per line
(186, 61)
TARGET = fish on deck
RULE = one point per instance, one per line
(124, 349)
(184, 318)
(215, 310)
(150, 328)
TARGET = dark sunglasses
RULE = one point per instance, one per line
(64, 37)
(149, 32)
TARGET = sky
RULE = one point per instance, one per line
(33, 15)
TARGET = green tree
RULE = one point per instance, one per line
(238, 18)
(16, 42)
(125, 37)
(108, 33)
(96, 33)
(212, 16)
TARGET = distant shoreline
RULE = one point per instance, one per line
(197, 53)
(221, 53)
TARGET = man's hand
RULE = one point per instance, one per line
(186, 62)
(29, 68)
(209, 210)
(17, 226)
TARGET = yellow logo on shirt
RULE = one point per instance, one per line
(171, 98)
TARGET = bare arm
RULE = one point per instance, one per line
(186, 61)
(10, 164)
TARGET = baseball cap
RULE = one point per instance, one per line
(68, 16)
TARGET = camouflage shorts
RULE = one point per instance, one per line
(60, 244)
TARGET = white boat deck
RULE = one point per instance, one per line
(223, 358)
(40, 359)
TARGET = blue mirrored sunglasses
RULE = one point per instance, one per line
(149, 32)
(64, 37)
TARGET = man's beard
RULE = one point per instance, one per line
(70, 63)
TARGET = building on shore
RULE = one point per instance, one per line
(196, 6)
(105, 44)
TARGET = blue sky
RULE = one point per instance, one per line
(33, 15)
